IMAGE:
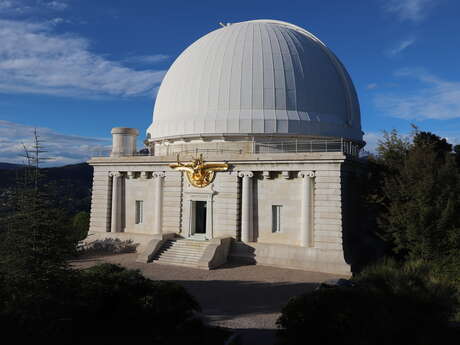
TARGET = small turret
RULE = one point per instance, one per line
(124, 141)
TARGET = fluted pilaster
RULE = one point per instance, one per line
(306, 227)
(246, 206)
(158, 207)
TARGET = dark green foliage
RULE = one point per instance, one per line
(389, 305)
(111, 293)
(432, 142)
(80, 224)
(420, 280)
(392, 150)
(36, 238)
(417, 198)
(103, 301)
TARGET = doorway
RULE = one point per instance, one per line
(199, 218)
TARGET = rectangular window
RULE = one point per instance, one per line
(139, 211)
(276, 218)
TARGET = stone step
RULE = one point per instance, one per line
(187, 247)
(180, 255)
(181, 252)
(176, 263)
(178, 260)
(193, 249)
(169, 253)
(188, 244)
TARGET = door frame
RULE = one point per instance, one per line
(189, 198)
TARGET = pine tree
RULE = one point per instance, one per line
(35, 243)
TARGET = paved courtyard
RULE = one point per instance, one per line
(245, 298)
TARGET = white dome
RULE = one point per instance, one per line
(260, 77)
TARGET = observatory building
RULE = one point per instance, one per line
(252, 155)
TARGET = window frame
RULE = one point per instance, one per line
(139, 212)
(276, 219)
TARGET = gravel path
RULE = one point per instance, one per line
(245, 298)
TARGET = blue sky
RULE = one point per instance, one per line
(76, 68)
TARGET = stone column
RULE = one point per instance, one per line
(116, 202)
(158, 207)
(246, 206)
(306, 228)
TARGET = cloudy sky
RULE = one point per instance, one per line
(74, 69)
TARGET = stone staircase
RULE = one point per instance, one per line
(181, 252)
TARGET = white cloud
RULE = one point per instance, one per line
(26, 6)
(15, 7)
(371, 139)
(5, 4)
(147, 59)
(61, 148)
(58, 20)
(403, 45)
(56, 5)
(411, 10)
(34, 59)
(435, 98)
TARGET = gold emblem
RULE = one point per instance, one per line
(199, 173)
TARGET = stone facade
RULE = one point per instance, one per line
(308, 188)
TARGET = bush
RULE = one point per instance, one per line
(425, 281)
(111, 293)
(108, 246)
(105, 301)
(80, 224)
(388, 305)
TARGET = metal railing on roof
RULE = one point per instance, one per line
(255, 147)
(298, 146)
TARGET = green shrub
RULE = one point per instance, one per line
(111, 293)
(388, 305)
(80, 224)
(105, 301)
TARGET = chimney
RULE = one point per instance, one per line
(124, 141)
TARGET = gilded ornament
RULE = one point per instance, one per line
(199, 173)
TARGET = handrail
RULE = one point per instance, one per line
(281, 146)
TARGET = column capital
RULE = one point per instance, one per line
(245, 174)
(266, 174)
(144, 175)
(130, 175)
(285, 174)
(158, 174)
(305, 174)
(115, 174)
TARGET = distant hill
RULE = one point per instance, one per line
(9, 166)
(70, 185)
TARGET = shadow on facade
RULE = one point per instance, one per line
(360, 245)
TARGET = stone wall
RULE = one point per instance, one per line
(328, 208)
(172, 202)
(277, 189)
(226, 205)
(101, 201)
(275, 179)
